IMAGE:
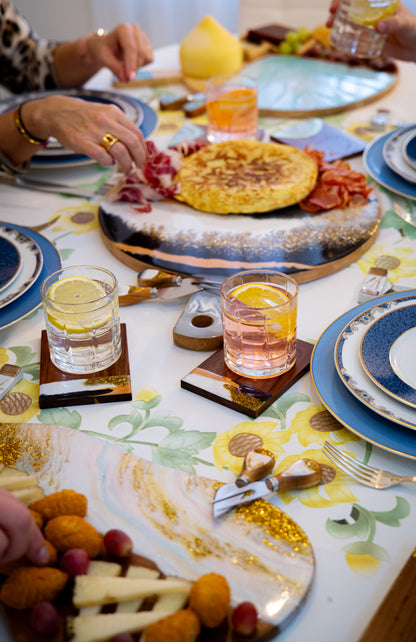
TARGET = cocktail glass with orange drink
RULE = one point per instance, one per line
(259, 312)
(80, 304)
(232, 108)
(353, 30)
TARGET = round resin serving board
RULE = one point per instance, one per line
(301, 87)
(174, 237)
(264, 555)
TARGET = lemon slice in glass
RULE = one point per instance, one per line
(76, 304)
(281, 321)
(368, 12)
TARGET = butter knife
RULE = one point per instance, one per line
(44, 186)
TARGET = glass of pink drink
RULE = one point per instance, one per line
(259, 312)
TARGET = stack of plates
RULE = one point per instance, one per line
(364, 370)
(56, 156)
(26, 258)
(391, 161)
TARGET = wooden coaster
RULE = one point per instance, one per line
(59, 389)
(214, 380)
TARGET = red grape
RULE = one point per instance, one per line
(75, 561)
(244, 618)
(118, 543)
(44, 618)
(121, 637)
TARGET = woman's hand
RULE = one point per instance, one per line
(123, 50)
(19, 534)
(81, 125)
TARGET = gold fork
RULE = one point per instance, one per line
(373, 477)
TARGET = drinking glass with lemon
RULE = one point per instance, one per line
(353, 30)
(259, 312)
(81, 312)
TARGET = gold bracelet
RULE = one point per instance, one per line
(17, 117)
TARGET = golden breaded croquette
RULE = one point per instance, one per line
(37, 517)
(53, 553)
(72, 531)
(63, 502)
(28, 585)
(210, 599)
(182, 626)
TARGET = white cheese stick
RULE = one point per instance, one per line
(136, 572)
(28, 495)
(89, 591)
(96, 628)
(100, 568)
(15, 482)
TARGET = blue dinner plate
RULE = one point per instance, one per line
(31, 299)
(378, 169)
(376, 349)
(353, 414)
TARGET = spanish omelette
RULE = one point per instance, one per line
(245, 176)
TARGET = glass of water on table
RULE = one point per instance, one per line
(80, 304)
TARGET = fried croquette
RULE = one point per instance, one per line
(210, 599)
(182, 626)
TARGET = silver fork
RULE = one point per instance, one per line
(373, 477)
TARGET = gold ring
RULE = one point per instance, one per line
(108, 141)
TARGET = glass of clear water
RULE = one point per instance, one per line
(353, 30)
(80, 304)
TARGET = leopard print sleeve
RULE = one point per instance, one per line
(26, 61)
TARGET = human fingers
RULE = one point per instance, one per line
(19, 534)
(122, 149)
(124, 50)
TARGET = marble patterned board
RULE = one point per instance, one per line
(174, 237)
(266, 559)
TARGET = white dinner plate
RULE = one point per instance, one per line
(346, 407)
(32, 261)
(393, 154)
(377, 168)
(378, 347)
(353, 376)
(409, 148)
(10, 262)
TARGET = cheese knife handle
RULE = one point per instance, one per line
(303, 473)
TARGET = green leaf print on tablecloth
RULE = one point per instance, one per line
(365, 556)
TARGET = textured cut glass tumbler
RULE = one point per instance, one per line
(80, 304)
(259, 313)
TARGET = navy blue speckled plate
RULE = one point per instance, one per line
(10, 262)
(376, 352)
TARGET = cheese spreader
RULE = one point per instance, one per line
(303, 473)
(130, 294)
(258, 463)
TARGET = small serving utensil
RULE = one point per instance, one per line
(258, 463)
(45, 186)
(303, 473)
(130, 294)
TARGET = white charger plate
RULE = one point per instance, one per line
(352, 374)
(393, 154)
(32, 261)
(379, 349)
(377, 168)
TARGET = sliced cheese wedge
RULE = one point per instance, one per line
(15, 482)
(96, 628)
(100, 568)
(136, 572)
(28, 495)
(89, 591)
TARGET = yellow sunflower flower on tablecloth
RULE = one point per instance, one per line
(21, 404)
(231, 446)
(145, 394)
(4, 357)
(315, 425)
(399, 261)
(80, 219)
(332, 490)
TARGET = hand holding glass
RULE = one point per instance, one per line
(80, 304)
(353, 28)
(259, 312)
